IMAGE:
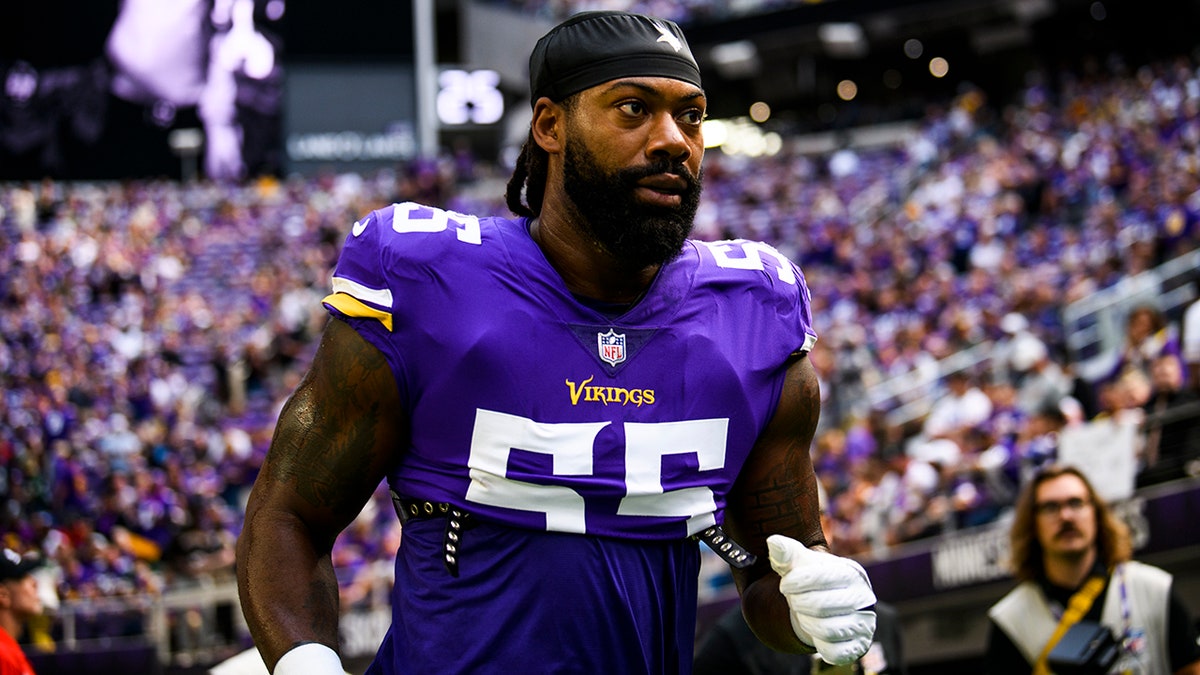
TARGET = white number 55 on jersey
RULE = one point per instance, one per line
(570, 445)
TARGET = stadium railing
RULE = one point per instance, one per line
(1095, 325)
(1094, 328)
(202, 625)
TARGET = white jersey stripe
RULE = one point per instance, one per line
(376, 296)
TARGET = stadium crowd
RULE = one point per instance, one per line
(150, 330)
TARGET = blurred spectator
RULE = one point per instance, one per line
(1122, 399)
(19, 602)
(1037, 444)
(1147, 336)
(980, 487)
(963, 407)
(1172, 447)
(1191, 343)
(1041, 381)
(921, 507)
(1007, 417)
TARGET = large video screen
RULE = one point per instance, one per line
(95, 89)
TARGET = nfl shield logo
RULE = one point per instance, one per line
(611, 346)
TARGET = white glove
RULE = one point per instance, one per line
(825, 595)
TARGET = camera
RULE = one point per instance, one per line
(1087, 648)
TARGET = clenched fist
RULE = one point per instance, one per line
(827, 597)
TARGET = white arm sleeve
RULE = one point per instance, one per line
(309, 659)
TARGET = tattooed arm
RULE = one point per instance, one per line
(776, 493)
(335, 439)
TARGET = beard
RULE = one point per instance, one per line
(635, 234)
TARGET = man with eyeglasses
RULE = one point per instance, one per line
(1072, 558)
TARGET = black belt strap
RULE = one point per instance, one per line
(729, 550)
(458, 521)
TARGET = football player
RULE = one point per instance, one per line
(564, 404)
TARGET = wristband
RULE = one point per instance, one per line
(310, 658)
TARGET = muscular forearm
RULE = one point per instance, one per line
(288, 590)
(335, 439)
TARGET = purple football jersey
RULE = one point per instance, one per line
(548, 419)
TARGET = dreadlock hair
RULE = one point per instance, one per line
(529, 174)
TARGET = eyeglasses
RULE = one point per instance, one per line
(1054, 508)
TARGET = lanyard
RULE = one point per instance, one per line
(1077, 607)
(1133, 640)
(1126, 621)
(1056, 610)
